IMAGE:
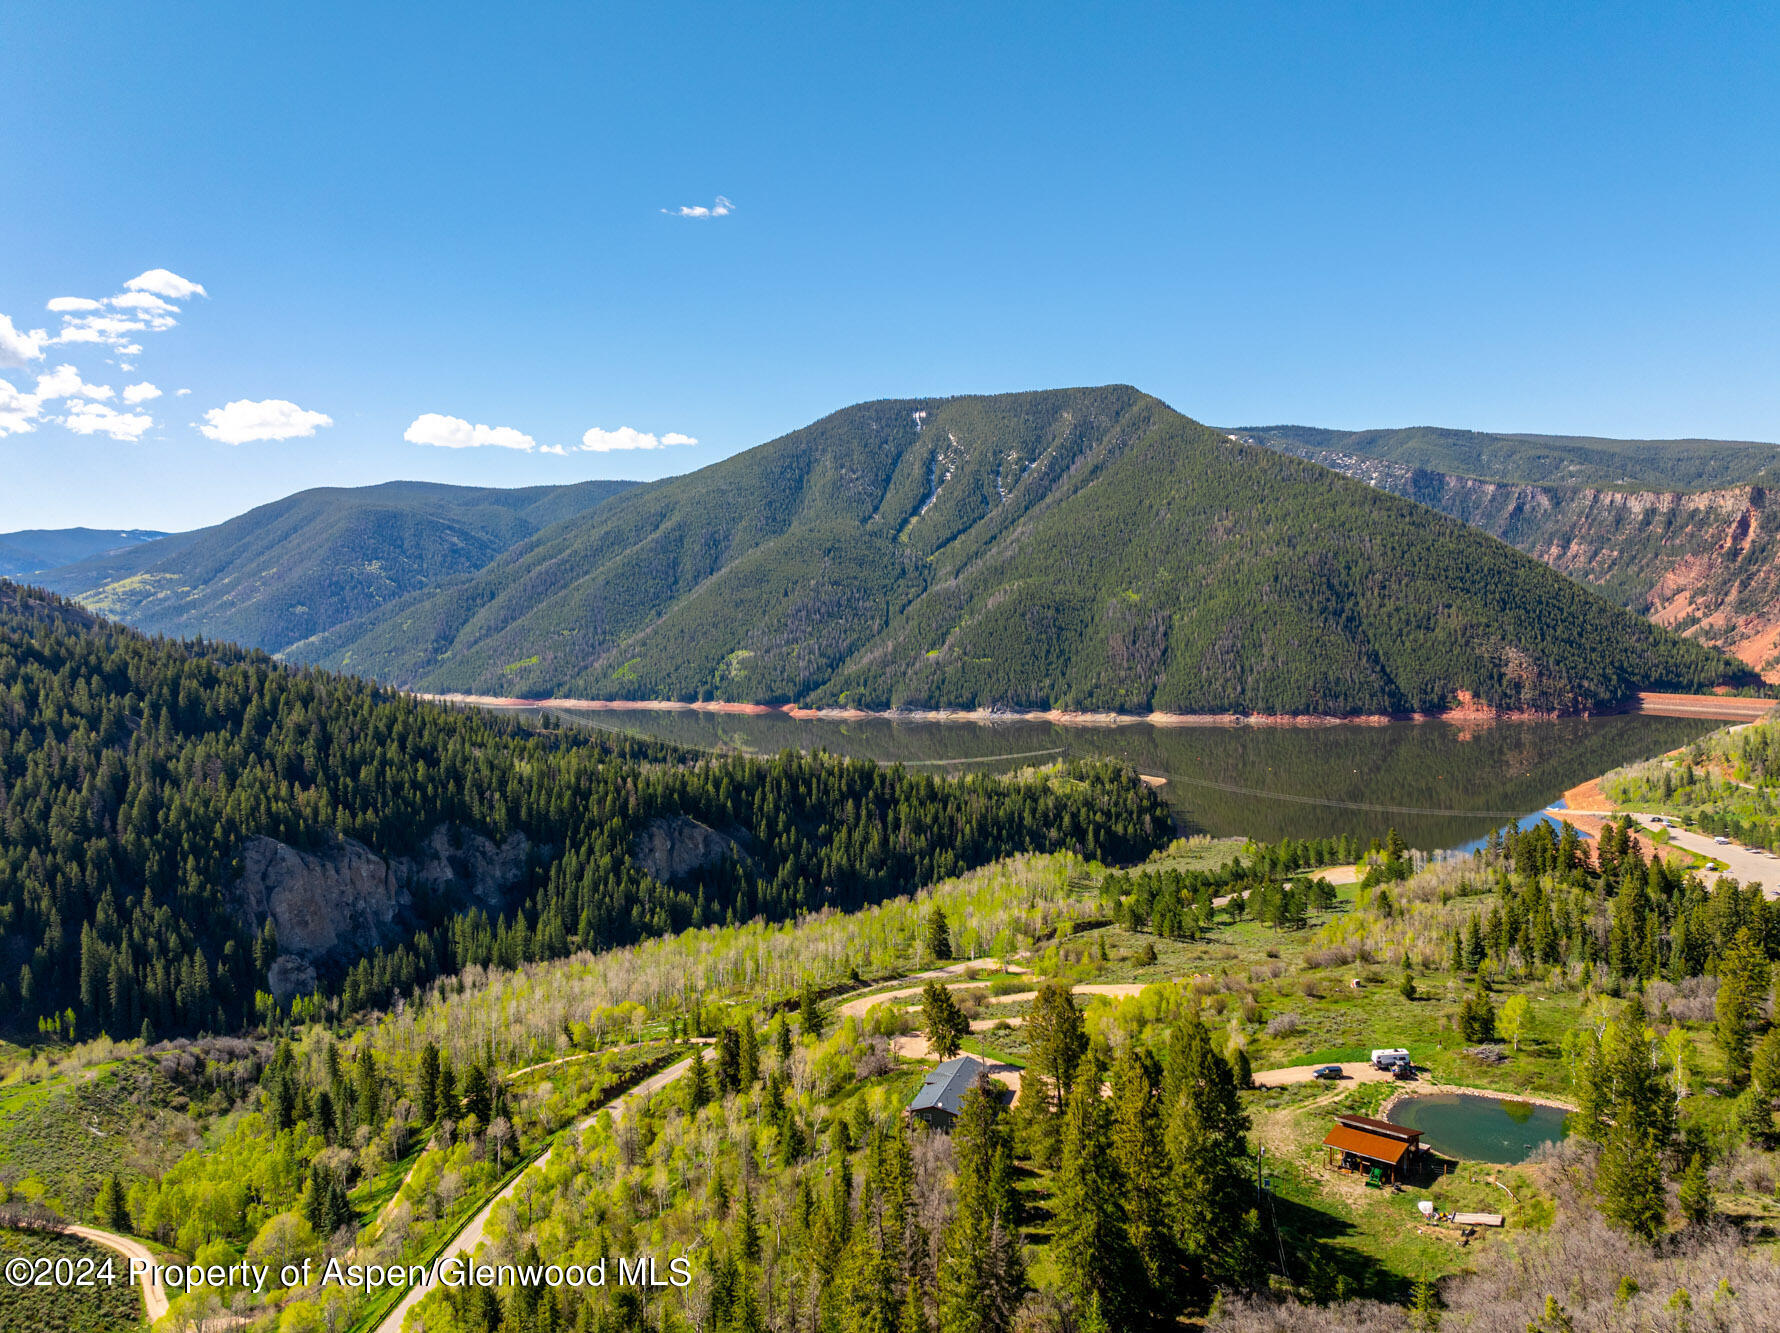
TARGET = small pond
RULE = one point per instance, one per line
(1480, 1129)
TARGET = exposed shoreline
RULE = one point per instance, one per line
(1404, 1094)
(1468, 713)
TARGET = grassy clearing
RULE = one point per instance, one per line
(103, 1307)
(60, 1139)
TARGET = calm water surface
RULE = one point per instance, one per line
(1439, 784)
(1480, 1129)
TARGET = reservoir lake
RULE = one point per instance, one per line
(1440, 784)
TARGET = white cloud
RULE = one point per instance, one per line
(140, 393)
(604, 441)
(181, 393)
(455, 433)
(110, 329)
(140, 301)
(65, 382)
(16, 346)
(162, 283)
(61, 305)
(243, 421)
(721, 209)
(97, 419)
(18, 411)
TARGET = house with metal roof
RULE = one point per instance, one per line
(942, 1093)
(1376, 1148)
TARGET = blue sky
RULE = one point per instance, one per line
(420, 220)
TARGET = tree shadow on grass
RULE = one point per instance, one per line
(1309, 1246)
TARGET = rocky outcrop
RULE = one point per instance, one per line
(1705, 563)
(673, 847)
(324, 904)
(332, 906)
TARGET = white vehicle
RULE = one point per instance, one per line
(1384, 1058)
(1722, 842)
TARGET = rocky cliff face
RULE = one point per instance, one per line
(331, 906)
(1706, 563)
(676, 846)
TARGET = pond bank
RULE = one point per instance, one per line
(1448, 1089)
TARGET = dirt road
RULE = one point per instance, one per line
(153, 1295)
(1352, 1071)
(858, 1008)
(471, 1236)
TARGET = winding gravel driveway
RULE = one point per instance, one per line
(471, 1236)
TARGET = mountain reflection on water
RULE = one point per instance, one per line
(1439, 784)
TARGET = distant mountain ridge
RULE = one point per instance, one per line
(1540, 460)
(290, 569)
(33, 550)
(1080, 548)
(1705, 562)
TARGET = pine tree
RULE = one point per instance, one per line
(976, 1273)
(782, 1039)
(939, 935)
(370, 1089)
(1696, 1191)
(913, 1316)
(945, 1021)
(1090, 1245)
(747, 1227)
(1210, 1192)
(1765, 1069)
(1639, 1128)
(1240, 1068)
(1057, 1040)
(1424, 1307)
(426, 1085)
(748, 1063)
(1142, 1159)
(478, 1100)
(1742, 982)
(698, 1082)
(112, 1209)
(728, 1077)
(809, 1011)
(449, 1104)
(1477, 1016)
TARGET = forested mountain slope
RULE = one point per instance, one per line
(34, 549)
(1086, 548)
(285, 570)
(1703, 562)
(142, 781)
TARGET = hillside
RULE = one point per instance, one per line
(1703, 562)
(1085, 548)
(186, 833)
(288, 569)
(33, 550)
(1551, 460)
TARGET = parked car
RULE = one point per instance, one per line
(1326, 1071)
(1722, 842)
